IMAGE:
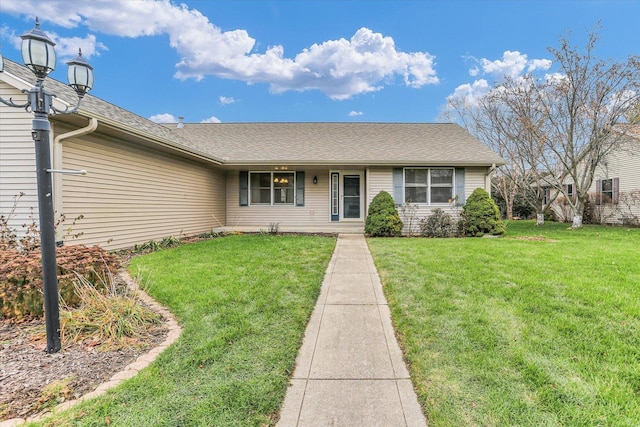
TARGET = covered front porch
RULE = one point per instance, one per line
(295, 199)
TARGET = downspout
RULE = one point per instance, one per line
(487, 178)
(57, 159)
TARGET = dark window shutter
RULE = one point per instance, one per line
(616, 191)
(598, 192)
(398, 188)
(299, 188)
(244, 188)
(460, 186)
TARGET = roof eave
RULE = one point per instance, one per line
(306, 162)
(153, 139)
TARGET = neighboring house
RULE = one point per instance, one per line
(614, 195)
(147, 181)
(615, 192)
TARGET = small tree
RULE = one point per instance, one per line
(481, 215)
(383, 219)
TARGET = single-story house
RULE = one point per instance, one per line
(148, 181)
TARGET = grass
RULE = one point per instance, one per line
(539, 328)
(243, 302)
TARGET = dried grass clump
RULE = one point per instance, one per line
(108, 316)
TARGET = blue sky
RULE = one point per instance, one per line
(300, 61)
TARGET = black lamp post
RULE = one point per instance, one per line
(39, 56)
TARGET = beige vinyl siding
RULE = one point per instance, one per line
(313, 216)
(379, 179)
(382, 179)
(476, 178)
(132, 195)
(17, 160)
(624, 165)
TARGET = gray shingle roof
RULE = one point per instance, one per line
(293, 143)
(340, 143)
(92, 106)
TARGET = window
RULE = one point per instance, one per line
(428, 185)
(606, 190)
(272, 188)
(570, 190)
(283, 185)
(441, 185)
(416, 183)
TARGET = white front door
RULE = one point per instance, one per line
(346, 196)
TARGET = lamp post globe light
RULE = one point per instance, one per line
(39, 55)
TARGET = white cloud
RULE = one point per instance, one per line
(539, 64)
(355, 113)
(226, 100)
(212, 119)
(555, 78)
(470, 92)
(513, 64)
(67, 47)
(164, 118)
(340, 68)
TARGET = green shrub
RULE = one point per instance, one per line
(480, 215)
(439, 224)
(21, 277)
(383, 219)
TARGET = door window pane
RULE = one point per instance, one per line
(351, 200)
(334, 194)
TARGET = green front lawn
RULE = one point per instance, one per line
(539, 328)
(243, 302)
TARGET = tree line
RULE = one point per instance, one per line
(556, 128)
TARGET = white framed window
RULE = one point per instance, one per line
(272, 188)
(428, 185)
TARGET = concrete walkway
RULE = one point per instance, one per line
(350, 370)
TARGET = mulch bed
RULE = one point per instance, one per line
(33, 381)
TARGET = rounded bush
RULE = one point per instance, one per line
(438, 224)
(383, 219)
(480, 215)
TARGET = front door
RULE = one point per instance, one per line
(346, 196)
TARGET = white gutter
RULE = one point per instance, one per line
(57, 160)
(487, 178)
